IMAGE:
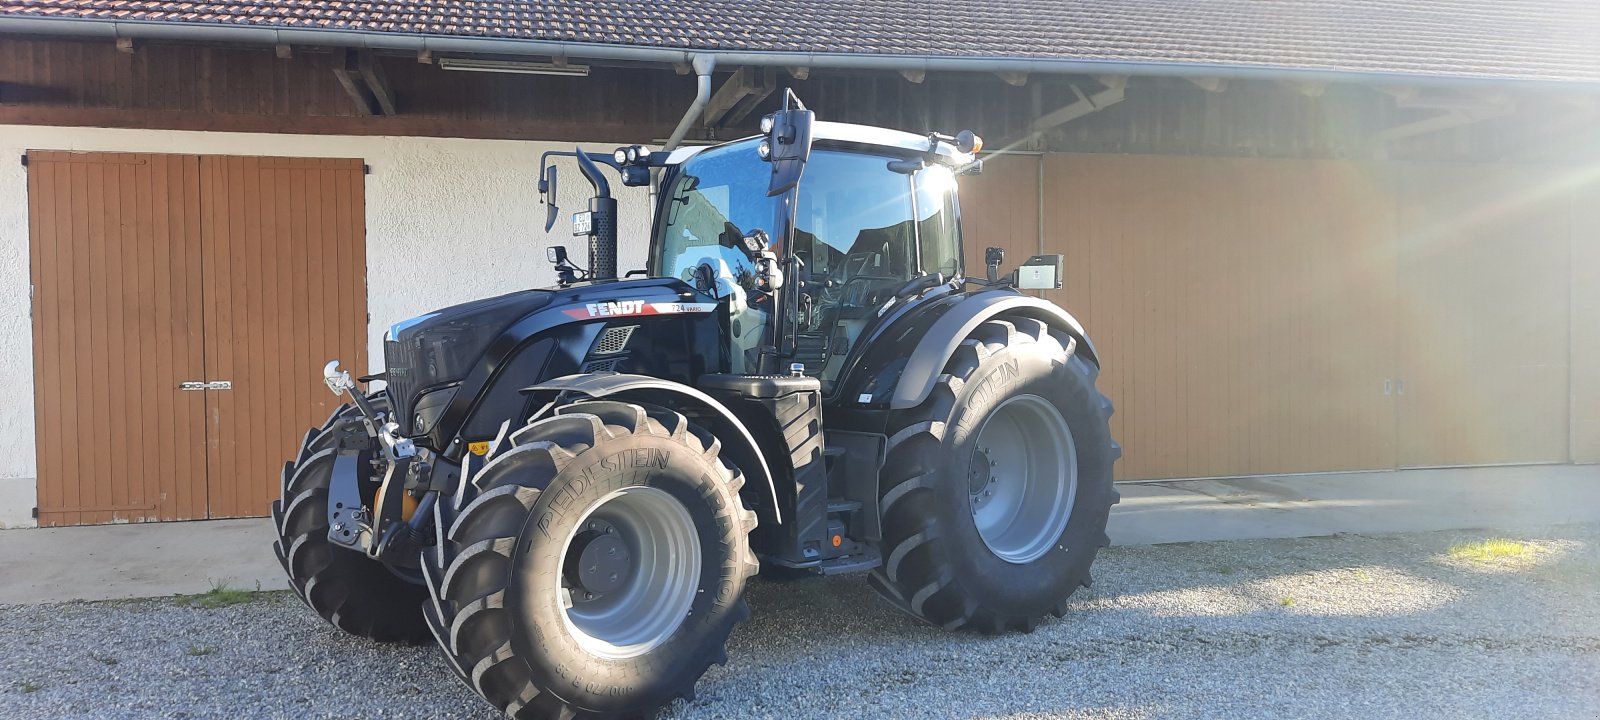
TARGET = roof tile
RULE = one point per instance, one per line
(1515, 39)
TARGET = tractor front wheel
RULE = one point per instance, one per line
(358, 595)
(594, 567)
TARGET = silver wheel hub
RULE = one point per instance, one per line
(629, 573)
(1022, 479)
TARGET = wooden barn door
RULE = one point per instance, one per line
(1483, 375)
(155, 272)
(115, 248)
(285, 272)
(1243, 308)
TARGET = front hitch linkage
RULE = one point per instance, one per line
(379, 530)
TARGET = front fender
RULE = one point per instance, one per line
(643, 388)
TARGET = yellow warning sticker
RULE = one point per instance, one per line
(479, 448)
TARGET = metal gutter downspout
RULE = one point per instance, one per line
(703, 65)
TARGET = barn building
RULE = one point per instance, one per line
(1306, 236)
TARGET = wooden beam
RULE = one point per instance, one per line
(683, 68)
(1210, 84)
(1084, 105)
(349, 77)
(739, 95)
(1308, 88)
(1442, 121)
(799, 73)
(125, 45)
(284, 51)
(915, 76)
(1015, 79)
(425, 57)
(377, 82)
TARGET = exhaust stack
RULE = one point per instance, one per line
(602, 222)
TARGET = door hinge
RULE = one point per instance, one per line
(36, 512)
(24, 159)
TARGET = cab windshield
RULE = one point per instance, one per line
(855, 218)
(861, 231)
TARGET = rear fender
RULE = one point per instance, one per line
(641, 388)
(936, 346)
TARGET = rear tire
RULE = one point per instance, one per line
(512, 605)
(356, 594)
(994, 543)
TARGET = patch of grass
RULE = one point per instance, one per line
(219, 596)
(200, 650)
(1494, 550)
(1225, 570)
(104, 659)
(1286, 602)
(1362, 575)
(29, 686)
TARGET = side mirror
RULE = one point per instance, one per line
(547, 192)
(787, 144)
(992, 257)
(1040, 272)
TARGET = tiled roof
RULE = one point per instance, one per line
(1519, 39)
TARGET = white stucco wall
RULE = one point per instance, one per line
(448, 220)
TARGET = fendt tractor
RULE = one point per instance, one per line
(568, 489)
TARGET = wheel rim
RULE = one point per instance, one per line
(629, 572)
(1022, 478)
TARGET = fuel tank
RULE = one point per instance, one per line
(456, 374)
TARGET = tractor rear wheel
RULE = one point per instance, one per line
(594, 566)
(996, 489)
(358, 595)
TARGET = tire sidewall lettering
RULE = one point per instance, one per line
(1014, 369)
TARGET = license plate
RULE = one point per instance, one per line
(581, 223)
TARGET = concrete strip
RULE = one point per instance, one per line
(1502, 498)
(122, 561)
(106, 562)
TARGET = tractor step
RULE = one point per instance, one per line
(851, 563)
(840, 505)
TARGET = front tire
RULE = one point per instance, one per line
(353, 592)
(996, 489)
(594, 567)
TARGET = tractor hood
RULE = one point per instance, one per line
(440, 365)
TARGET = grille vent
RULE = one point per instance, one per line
(605, 365)
(614, 340)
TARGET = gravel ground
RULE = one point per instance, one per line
(1339, 627)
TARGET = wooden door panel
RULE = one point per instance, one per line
(1000, 208)
(1241, 308)
(1484, 319)
(285, 285)
(115, 248)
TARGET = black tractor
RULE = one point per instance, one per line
(569, 488)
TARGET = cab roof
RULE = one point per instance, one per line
(837, 133)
